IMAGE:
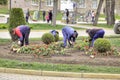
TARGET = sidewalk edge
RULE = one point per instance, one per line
(60, 74)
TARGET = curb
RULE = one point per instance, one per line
(60, 74)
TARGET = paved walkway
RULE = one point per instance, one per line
(9, 76)
(37, 34)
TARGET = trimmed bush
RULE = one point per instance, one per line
(48, 38)
(56, 37)
(16, 19)
(102, 45)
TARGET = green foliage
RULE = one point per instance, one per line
(3, 26)
(102, 45)
(81, 45)
(43, 26)
(56, 37)
(41, 50)
(48, 38)
(16, 19)
(3, 2)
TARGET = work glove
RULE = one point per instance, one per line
(19, 42)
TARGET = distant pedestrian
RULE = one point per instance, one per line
(93, 16)
(22, 32)
(70, 35)
(67, 15)
(47, 18)
(50, 15)
(27, 15)
(44, 13)
(95, 34)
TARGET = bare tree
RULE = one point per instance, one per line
(110, 6)
(98, 12)
(55, 7)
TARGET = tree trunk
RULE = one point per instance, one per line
(55, 6)
(112, 12)
(110, 6)
(98, 12)
(108, 12)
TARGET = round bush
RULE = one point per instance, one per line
(48, 38)
(102, 45)
(56, 37)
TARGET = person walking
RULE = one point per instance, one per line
(47, 17)
(44, 13)
(67, 16)
(22, 32)
(50, 15)
(27, 15)
(93, 16)
(70, 35)
(95, 34)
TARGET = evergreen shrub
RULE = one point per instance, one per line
(48, 38)
(16, 18)
(102, 45)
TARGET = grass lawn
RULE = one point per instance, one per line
(58, 67)
(4, 9)
(40, 27)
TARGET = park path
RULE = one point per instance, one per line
(39, 33)
(11, 76)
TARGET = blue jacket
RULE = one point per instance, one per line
(67, 33)
(96, 33)
(21, 31)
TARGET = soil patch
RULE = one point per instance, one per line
(71, 57)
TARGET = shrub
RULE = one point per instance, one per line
(16, 19)
(3, 2)
(2, 26)
(48, 38)
(102, 45)
(56, 37)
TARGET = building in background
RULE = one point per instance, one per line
(82, 5)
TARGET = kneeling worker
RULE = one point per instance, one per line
(95, 34)
(22, 32)
(70, 35)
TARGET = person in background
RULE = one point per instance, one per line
(22, 32)
(44, 13)
(93, 16)
(47, 18)
(54, 32)
(50, 15)
(27, 15)
(70, 35)
(67, 15)
(95, 34)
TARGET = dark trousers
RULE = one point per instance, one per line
(25, 37)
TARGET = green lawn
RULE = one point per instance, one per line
(40, 27)
(58, 67)
(4, 9)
